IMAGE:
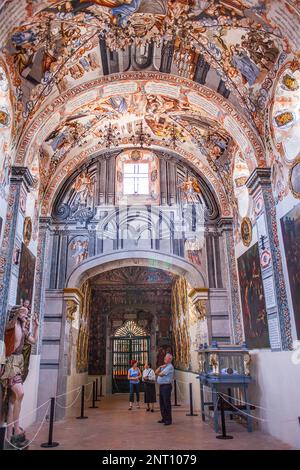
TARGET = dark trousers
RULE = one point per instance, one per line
(165, 391)
(134, 388)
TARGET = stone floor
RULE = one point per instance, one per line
(112, 427)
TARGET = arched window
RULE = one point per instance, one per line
(136, 178)
(130, 328)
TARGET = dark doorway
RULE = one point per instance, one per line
(124, 349)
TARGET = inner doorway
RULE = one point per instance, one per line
(130, 342)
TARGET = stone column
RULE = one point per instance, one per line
(226, 229)
(199, 297)
(259, 185)
(21, 181)
(42, 271)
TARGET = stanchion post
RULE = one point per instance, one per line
(50, 442)
(223, 435)
(191, 413)
(2, 437)
(94, 396)
(101, 387)
(97, 390)
(82, 405)
(175, 393)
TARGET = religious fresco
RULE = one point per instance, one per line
(210, 147)
(26, 277)
(78, 251)
(180, 324)
(253, 300)
(82, 357)
(241, 198)
(5, 133)
(56, 45)
(285, 114)
(290, 226)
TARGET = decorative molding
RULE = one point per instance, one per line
(260, 177)
(73, 291)
(21, 174)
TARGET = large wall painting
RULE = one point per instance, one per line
(26, 277)
(290, 225)
(180, 323)
(253, 300)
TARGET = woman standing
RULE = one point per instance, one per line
(149, 383)
(134, 376)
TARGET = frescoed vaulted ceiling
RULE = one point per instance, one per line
(134, 276)
(196, 76)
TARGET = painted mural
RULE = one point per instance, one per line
(180, 324)
(26, 277)
(82, 357)
(58, 47)
(286, 113)
(5, 134)
(290, 226)
(253, 300)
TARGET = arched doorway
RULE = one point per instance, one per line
(130, 342)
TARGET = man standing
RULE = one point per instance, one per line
(165, 374)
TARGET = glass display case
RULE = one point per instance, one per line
(224, 360)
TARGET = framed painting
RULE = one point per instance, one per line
(253, 300)
(26, 277)
(290, 226)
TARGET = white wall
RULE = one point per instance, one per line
(183, 380)
(28, 413)
(276, 387)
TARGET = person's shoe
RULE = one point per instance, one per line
(167, 424)
(130, 408)
(152, 411)
(161, 421)
(147, 409)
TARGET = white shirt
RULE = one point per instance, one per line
(150, 374)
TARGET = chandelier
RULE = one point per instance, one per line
(141, 138)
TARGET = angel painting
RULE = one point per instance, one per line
(84, 190)
(81, 250)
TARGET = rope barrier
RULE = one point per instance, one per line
(242, 411)
(73, 402)
(29, 413)
(67, 393)
(91, 391)
(36, 434)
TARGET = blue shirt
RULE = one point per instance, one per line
(134, 373)
(167, 378)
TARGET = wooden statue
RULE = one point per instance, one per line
(18, 341)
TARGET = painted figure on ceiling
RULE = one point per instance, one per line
(248, 69)
(120, 9)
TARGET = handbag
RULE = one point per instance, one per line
(146, 378)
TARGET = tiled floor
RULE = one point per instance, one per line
(112, 427)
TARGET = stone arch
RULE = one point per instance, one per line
(73, 167)
(103, 263)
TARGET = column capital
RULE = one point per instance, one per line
(45, 221)
(260, 177)
(22, 174)
(225, 224)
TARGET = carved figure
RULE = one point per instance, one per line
(17, 340)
